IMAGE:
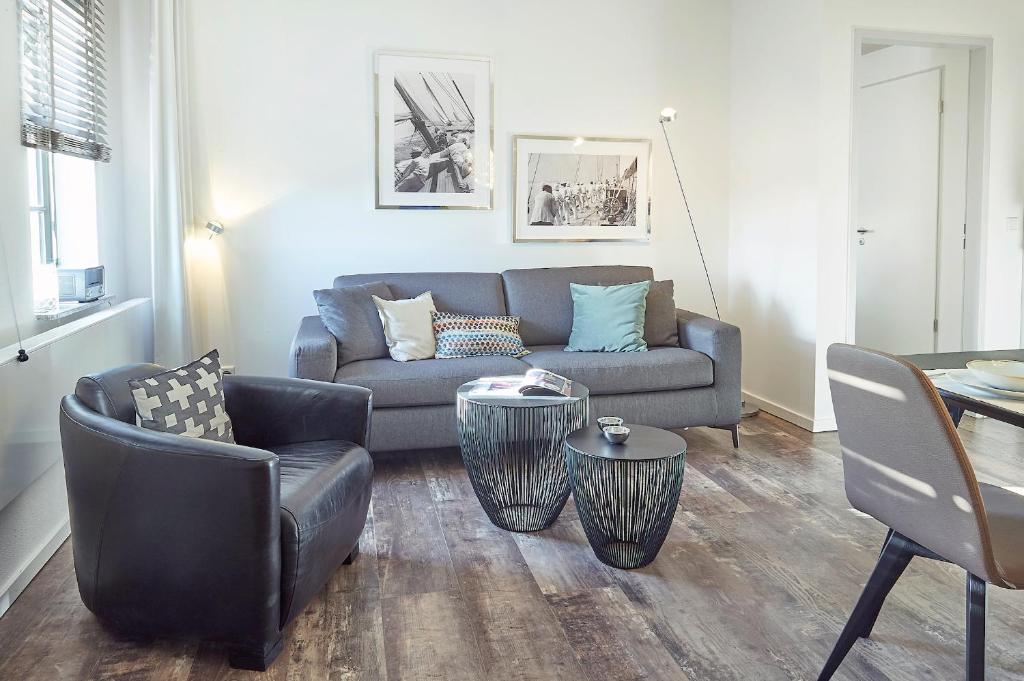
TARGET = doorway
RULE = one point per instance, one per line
(919, 112)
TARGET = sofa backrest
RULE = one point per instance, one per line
(541, 296)
(473, 293)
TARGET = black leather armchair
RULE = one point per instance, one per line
(183, 537)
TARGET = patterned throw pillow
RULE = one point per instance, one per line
(461, 335)
(187, 401)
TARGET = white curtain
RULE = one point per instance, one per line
(171, 211)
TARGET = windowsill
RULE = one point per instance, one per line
(66, 310)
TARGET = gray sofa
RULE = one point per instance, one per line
(696, 384)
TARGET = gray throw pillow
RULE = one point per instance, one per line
(350, 315)
(185, 401)
(660, 328)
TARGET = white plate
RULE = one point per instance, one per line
(1004, 374)
(965, 377)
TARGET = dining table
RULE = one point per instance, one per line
(960, 398)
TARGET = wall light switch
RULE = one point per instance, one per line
(1013, 224)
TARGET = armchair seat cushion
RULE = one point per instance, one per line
(612, 373)
(325, 492)
(425, 382)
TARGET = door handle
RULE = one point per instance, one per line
(864, 230)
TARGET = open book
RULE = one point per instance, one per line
(536, 383)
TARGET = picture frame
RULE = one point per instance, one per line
(580, 189)
(434, 133)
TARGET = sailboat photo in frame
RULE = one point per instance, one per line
(434, 131)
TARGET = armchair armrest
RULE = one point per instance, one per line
(721, 342)
(173, 535)
(269, 411)
(314, 352)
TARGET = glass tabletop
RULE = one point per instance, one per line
(465, 392)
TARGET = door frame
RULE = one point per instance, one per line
(976, 218)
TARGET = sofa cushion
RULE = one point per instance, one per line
(608, 318)
(463, 335)
(462, 292)
(408, 326)
(325, 491)
(185, 401)
(424, 382)
(350, 315)
(540, 297)
(660, 325)
(609, 373)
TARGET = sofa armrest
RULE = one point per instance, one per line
(721, 342)
(173, 535)
(314, 352)
(268, 411)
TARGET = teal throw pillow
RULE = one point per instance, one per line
(608, 318)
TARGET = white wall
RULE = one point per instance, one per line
(773, 93)
(282, 99)
(776, 104)
(33, 499)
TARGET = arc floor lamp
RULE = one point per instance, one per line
(668, 115)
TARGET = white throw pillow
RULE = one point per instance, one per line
(408, 327)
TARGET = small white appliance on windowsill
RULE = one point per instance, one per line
(80, 285)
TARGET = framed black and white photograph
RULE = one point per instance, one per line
(580, 189)
(434, 132)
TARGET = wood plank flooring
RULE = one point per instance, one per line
(759, 572)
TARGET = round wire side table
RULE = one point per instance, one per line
(626, 494)
(512, 449)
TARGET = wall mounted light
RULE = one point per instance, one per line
(215, 228)
(668, 114)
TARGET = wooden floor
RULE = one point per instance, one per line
(759, 572)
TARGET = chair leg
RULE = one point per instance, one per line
(976, 588)
(869, 620)
(894, 559)
(351, 556)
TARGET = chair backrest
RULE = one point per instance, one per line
(903, 462)
(107, 392)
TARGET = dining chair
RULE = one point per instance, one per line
(905, 465)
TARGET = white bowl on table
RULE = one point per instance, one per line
(1005, 374)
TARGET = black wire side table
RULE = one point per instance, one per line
(512, 449)
(626, 495)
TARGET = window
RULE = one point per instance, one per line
(63, 94)
(63, 122)
(63, 219)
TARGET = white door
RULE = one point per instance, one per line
(896, 239)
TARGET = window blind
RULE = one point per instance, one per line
(63, 103)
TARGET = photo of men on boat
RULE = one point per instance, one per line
(435, 127)
(581, 190)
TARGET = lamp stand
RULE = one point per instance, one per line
(668, 115)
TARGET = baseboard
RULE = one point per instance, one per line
(796, 418)
(31, 568)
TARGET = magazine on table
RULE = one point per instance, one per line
(535, 383)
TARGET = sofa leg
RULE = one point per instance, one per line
(257, 657)
(352, 556)
(735, 430)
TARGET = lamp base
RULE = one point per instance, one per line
(747, 411)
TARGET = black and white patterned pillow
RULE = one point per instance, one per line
(186, 401)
